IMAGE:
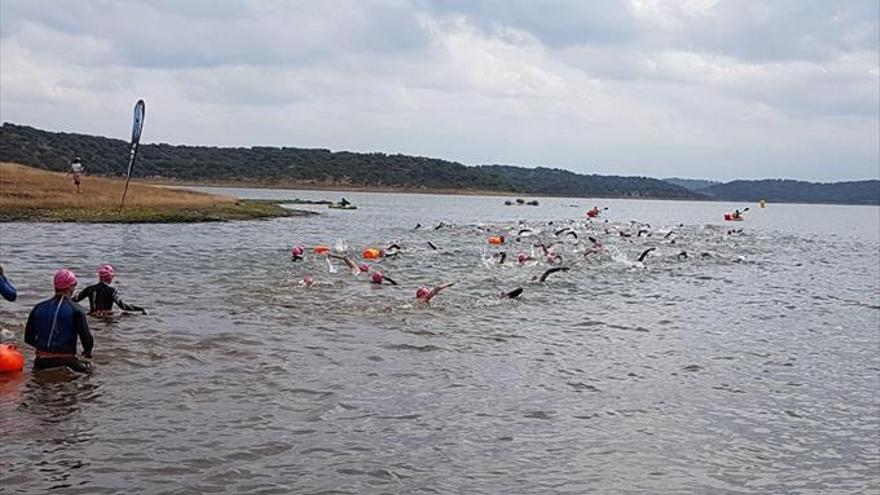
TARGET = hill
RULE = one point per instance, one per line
(314, 167)
(695, 185)
(865, 192)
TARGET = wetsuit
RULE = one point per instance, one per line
(7, 290)
(101, 299)
(52, 328)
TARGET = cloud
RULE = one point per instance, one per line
(698, 88)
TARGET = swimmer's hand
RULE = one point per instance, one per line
(144, 311)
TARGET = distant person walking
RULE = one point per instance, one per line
(77, 170)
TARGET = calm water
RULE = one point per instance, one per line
(751, 366)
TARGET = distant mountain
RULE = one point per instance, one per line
(863, 192)
(692, 184)
(105, 156)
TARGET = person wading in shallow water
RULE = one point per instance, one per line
(102, 296)
(54, 325)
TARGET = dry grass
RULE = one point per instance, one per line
(27, 187)
(29, 194)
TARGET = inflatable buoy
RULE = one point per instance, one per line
(763, 204)
(371, 253)
(321, 249)
(10, 359)
(496, 240)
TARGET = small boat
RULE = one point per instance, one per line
(342, 206)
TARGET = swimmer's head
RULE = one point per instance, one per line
(64, 279)
(297, 251)
(422, 292)
(377, 277)
(106, 272)
(522, 258)
(308, 280)
(363, 267)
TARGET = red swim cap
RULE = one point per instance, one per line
(106, 272)
(422, 293)
(377, 277)
(64, 279)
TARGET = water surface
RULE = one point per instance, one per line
(750, 366)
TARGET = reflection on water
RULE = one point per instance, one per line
(748, 366)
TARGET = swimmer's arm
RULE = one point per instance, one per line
(6, 289)
(83, 294)
(81, 327)
(438, 290)
(126, 307)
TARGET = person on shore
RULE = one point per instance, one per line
(54, 325)
(7, 290)
(77, 170)
(102, 296)
(424, 295)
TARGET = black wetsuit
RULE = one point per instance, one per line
(102, 297)
(53, 327)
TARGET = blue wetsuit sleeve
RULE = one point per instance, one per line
(30, 330)
(7, 290)
(81, 326)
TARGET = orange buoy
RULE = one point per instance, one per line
(496, 240)
(10, 359)
(371, 253)
(321, 249)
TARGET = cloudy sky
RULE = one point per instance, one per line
(691, 88)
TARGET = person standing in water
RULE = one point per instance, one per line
(77, 170)
(6, 289)
(102, 296)
(54, 325)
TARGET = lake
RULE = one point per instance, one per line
(749, 364)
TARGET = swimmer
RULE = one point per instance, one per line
(378, 278)
(551, 271)
(54, 326)
(512, 294)
(642, 257)
(418, 226)
(522, 258)
(296, 253)
(349, 262)
(502, 256)
(682, 255)
(441, 225)
(102, 296)
(669, 234)
(307, 281)
(643, 231)
(424, 295)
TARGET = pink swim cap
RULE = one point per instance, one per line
(297, 251)
(422, 292)
(106, 273)
(308, 280)
(377, 277)
(364, 267)
(64, 279)
(522, 258)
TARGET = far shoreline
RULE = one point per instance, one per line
(310, 186)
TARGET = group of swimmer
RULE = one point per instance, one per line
(55, 325)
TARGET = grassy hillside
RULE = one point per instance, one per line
(31, 194)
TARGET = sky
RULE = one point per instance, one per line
(689, 88)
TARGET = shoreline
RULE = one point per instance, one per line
(293, 185)
(34, 195)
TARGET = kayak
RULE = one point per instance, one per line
(730, 218)
(339, 206)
